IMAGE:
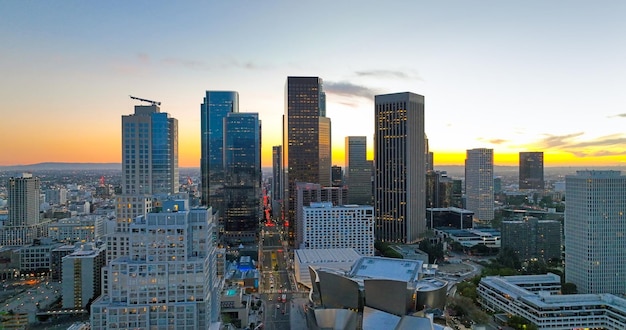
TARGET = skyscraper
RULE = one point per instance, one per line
(358, 171)
(595, 228)
(399, 158)
(23, 200)
(216, 105)
(149, 167)
(277, 173)
(306, 139)
(531, 170)
(242, 183)
(479, 183)
(23, 225)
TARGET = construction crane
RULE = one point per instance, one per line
(144, 100)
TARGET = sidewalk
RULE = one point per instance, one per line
(297, 318)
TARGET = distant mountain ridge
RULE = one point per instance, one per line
(51, 166)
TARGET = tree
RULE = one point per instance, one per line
(569, 288)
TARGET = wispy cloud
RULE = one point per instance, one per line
(189, 64)
(608, 145)
(348, 89)
(619, 115)
(383, 73)
(497, 141)
(558, 141)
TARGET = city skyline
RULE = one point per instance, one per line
(511, 77)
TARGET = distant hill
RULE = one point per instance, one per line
(51, 166)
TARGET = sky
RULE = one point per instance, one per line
(507, 75)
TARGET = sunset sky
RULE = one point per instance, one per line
(509, 75)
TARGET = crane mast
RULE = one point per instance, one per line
(144, 100)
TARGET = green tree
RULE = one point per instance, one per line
(569, 288)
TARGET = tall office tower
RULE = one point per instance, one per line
(307, 193)
(595, 226)
(358, 171)
(531, 170)
(23, 200)
(23, 225)
(443, 191)
(400, 164)
(479, 183)
(149, 167)
(216, 105)
(242, 181)
(429, 155)
(306, 140)
(335, 227)
(169, 278)
(533, 238)
(337, 176)
(277, 173)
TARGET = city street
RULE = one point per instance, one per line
(276, 285)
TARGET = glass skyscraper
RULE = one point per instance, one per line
(242, 183)
(531, 170)
(358, 171)
(216, 105)
(306, 140)
(400, 165)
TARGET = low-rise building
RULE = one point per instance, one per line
(521, 295)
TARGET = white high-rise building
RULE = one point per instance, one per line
(149, 167)
(23, 203)
(400, 167)
(595, 231)
(169, 278)
(479, 183)
(334, 227)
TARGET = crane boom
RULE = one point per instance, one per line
(144, 100)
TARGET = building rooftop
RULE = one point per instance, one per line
(387, 268)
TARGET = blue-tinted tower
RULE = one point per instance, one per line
(242, 184)
(216, 105)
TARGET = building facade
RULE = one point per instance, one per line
(531, 170)
(541, 238)
(169, 278)
(149, 167)
(536, 298)
(23, 200)
(595, 225)
(443, 191)
(81, 275)
(306, 140)
(358, 171)
(479, 183)
(400, 164)
(332, 227)
(307, 193)
(242, 181)
(216, 105)
(277, 173)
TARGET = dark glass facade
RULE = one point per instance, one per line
(216, 105)
(358, 172)
(400, 166)
(277, 173)
(242, 184)
(304, 158)
(531, 170)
